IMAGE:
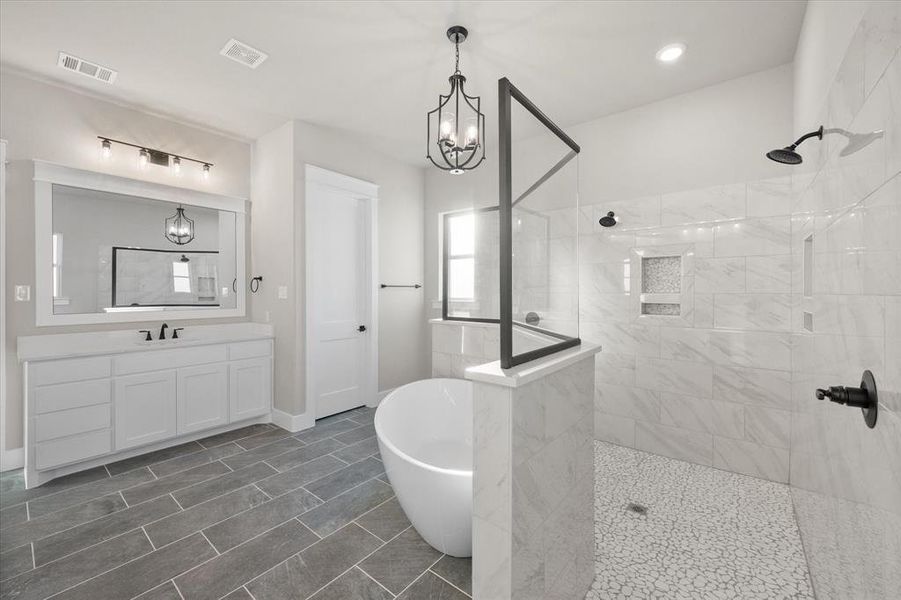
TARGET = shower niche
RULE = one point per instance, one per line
(662, 284)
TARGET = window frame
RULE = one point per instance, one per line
(445, 261)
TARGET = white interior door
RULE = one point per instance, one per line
(339, 302)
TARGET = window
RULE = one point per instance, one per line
(181, 277)
(57, 262)
(461, 257)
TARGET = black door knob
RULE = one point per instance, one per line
(361, 328)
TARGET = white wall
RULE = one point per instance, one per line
(52, 123)
(402, 328)
(273, 253)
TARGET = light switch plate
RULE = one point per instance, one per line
(23, 293)
(282, 292)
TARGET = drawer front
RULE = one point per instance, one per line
(158, 360)
(242, 350)
(70, 422)
(71, 395)
(71, 369)
(72, 449)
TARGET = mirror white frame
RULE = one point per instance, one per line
(46, 175)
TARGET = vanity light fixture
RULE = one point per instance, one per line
(671, 52)
(459, 129)
(152, 156)
(179, 228)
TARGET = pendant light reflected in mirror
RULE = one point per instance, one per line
(179, 228)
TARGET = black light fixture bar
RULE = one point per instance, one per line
(154, 151)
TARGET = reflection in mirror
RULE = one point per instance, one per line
(110, 253)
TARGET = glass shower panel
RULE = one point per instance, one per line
(540, 166)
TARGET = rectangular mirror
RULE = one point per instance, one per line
(122, 248)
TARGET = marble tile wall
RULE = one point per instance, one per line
(846, 478)
(702, 386)
(533, 487)
(457, 345)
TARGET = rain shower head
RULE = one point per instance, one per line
(609, 220)
(787, 155)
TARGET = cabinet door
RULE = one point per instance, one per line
(202, 397)
(250, 388)
(145, 408)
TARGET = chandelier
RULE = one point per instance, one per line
(457, 126)
(179, 228)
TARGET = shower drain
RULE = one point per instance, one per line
(638, 509)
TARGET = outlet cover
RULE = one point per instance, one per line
(282, 292)
(23, 293)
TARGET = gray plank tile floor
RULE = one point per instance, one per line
(250, 514)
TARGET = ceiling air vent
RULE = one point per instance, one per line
(88, 69)
(244, 54)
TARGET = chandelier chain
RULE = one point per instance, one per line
(457, 65)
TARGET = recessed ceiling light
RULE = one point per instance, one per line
(671, 52)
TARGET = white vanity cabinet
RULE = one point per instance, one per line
(86, 411)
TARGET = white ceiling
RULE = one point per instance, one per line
(375, 68)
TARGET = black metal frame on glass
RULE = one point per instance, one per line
(507, 92)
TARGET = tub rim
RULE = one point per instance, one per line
(415, 461)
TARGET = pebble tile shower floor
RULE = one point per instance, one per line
(706, 533)
(254, 513)
(261, 514)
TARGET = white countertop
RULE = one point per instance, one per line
(532, 370)
(71, 345)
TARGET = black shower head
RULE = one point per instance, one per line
(608, 221)
(787, 155)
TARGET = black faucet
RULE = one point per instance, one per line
(163, 331)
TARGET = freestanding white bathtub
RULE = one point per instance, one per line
(424, 431)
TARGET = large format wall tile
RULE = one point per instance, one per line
(675, 442)
(846, 478)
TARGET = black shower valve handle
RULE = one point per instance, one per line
(850, 396)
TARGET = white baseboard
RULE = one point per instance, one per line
(12, 459)
(292, 423)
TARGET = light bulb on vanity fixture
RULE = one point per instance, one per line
(176, 165)
(206, 171)
(143, 158)
(106, 149)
